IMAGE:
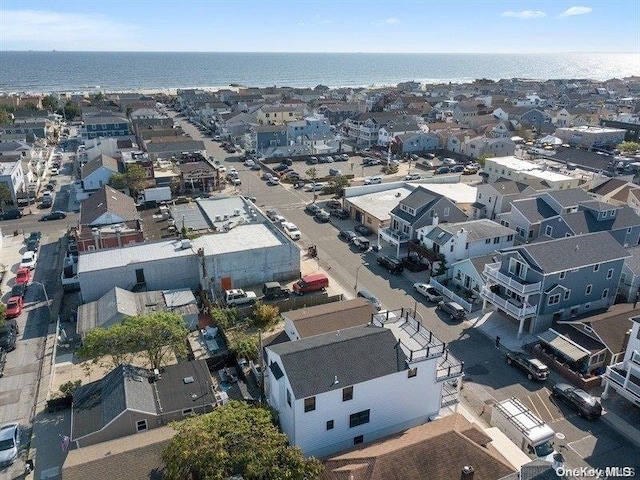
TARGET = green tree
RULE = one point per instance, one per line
(236, 439)
(5, 194)
(50, 103)
(5, 117)
(337, 185)
(629, 147)
(155, 336)
(3, 310)
(134, 179)
(483, 158)
(265, 315)
(70, 110)
(312, 173)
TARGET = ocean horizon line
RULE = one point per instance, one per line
(327, 53)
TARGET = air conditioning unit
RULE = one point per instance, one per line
(236, 212)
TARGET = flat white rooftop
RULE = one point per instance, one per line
(513, 163)
(245, 237)
(120, 257)
(456, 192)
(379, 204)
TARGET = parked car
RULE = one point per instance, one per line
(586, 405)
(273, 290)
(14, 307)
(334, 172)
(9, 443)
(291, 230)
(534, 368)
(29, 260)
(373, 180)
(271, 214)
(315, 187)
(428, 291)
(362, 230)
(54, 171)
(11, 214)
(331, 204)
(312, 160)
(33, 245)
(412, 176)
(312, 208)
(266, 176)
(457, 169)
(342, 158)
(469, 170)
(23, 275)
(340, 213)
(3, 361)
(322, 216)
(448, 161)
(18, 290)
(361, 243)
(392, 264)
(237, 297)
(347, 235)
(455, 311)
(273, 181)
(371, 298)
(8, 336)
(442, 170)
(57, 215)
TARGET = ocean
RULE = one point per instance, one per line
(127, 71)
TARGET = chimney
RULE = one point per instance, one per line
(434, 222)
(467, 473)
(96, 237)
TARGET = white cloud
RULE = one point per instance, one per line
(392, 21)
(573, 11)
(46, 30)
(524, 14)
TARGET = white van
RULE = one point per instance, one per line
(315, 187)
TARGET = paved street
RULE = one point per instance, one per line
(488, 377)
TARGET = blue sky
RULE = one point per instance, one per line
(427, 26)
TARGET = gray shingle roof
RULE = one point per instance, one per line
(534, 209)
(98, 403)
(585, 222)
(419, 199)
(100, 161)
(107, 200)
(574, 252)
(353, 355)
(570, 197)
(479, 229)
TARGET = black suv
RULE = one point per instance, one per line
(392, 264)
(8, 336)
(11, 214)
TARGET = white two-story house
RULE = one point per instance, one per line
(352, 386)
(457, 241)
(624, 377)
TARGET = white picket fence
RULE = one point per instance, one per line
(450, 294)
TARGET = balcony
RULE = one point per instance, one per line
(393, 236)
(509, 305)
(623, 381)
(449, 367)
(492, 271)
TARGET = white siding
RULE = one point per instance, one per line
(395, 401)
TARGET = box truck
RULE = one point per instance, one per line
(524, 428)
(156, 194)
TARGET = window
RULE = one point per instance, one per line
(496, 240)
(588, 289)
(347, 394)
(309, 404)
(359, 418)
(187, 411)
(358, 440)
(562, 275)
(487, 241)
(141, 425)
(451, 248)
(605, 214)
(548, 230)
(554, 299)
(605, 293)
(412, 372)
(329, 424)
(628, 230)
(509, 238)
(288, 397)
(610, 274)
(446, 211)
(466, 246)
(596, 267)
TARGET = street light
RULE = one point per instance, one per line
(365, 264)
(46, 297)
